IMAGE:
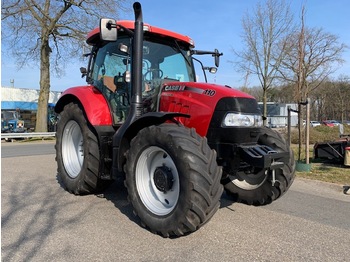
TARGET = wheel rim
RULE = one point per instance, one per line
(158, 200)
(72, 148)
(249, 181)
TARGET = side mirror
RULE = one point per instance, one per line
(108, 29)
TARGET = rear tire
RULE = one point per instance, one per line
(172, 179)
(77, 153)
(257, 189)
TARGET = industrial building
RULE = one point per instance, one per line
(277, 114)
(22, 104)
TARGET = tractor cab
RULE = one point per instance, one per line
(166, 57)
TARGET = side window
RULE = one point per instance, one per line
(108, 76)
(110, 65)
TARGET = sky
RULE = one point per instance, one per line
(211, 24)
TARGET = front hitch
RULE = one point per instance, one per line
(262, 156)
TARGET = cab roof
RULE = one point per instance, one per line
(94, 36)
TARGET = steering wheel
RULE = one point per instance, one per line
(151, 71)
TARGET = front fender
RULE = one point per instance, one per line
(93, 102)
(152, 118)
(125, 133)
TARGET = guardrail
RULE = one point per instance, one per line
(27, 135)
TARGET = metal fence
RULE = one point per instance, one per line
(27, 135)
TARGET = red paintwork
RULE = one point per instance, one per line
(92, 37)
(327, 123)
(199, 103)
(93, 102)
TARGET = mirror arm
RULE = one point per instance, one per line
(200, 52)
(200, 62)
(127, 30)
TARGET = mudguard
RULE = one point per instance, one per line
(92, 101)
(126, 133)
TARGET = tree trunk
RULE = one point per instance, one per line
(265, 106)
(300, 126)
(41, 115)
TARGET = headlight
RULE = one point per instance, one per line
(237, 119)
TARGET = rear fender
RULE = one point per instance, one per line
(93, 102)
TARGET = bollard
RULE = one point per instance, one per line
(347, 156)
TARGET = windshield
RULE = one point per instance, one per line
(9, 115)
(166, 62)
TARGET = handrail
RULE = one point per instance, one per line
(27, 135)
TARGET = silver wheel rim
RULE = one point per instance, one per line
(249, 181)
(72, 148)
(158, 202)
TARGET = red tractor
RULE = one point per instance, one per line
(178, 143)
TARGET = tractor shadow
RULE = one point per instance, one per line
(118, 195)
(227, 201)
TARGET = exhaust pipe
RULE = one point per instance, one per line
(136, 78)
(136, 109)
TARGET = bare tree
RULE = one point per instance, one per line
(331, 98)
(342, 89)
(264, 33)
(310, 56)
(51, 32)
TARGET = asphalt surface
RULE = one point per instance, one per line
(43, 222)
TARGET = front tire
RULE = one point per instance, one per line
(173, 180)
(77, 153)
(257, 188)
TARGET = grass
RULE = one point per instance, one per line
(328, 172)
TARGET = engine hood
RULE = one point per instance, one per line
(202, 101)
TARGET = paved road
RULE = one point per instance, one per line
(42, 222)
(13, 149)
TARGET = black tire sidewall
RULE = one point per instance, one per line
(184, 149)
(73, 112)
(182, 206)
(266, 192)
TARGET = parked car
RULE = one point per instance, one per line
(346, 122)
(314, 123)
(327, 123)
(335, 122)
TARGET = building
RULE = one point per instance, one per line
(25, 103)
(277, 114)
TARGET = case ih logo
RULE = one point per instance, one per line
(174, 88)
(207, 92)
